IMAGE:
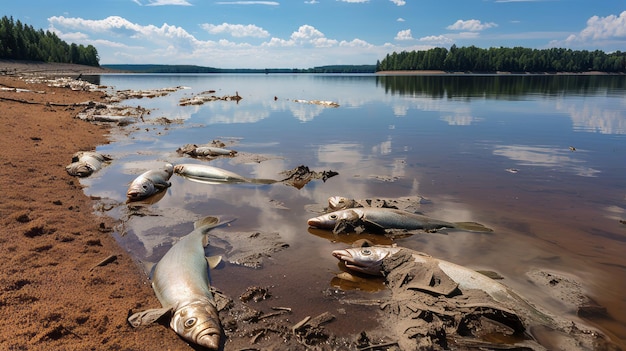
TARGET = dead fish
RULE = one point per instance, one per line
(369, 260)
(214, 175)
(181, 283)
(85, 163)
(336, 203)
(204, 151)
(380, 219)
(149, 183)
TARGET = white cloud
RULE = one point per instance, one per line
(236, 30)
(604, 27)
(355, 1)
(471, 25)
(119, 40)
(399, 2)
(437, 40)
(312, 2)
(400, 19)
(404, 35)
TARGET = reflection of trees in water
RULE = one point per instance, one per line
(507, 86)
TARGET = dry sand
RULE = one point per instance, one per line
(52, 294)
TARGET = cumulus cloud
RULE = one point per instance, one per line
(355, 1)
(121, 41)
(404, 35)
(605, 27)
(400, 19)
(471, 25)
(399, 2)
(606, 31)
(236, 30)
(437, 40)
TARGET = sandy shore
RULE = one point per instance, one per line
(54, 293)
(53, 296)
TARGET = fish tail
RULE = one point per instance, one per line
(209, 222)
(261, 181)
(472, 227)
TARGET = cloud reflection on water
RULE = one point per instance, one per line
(545, 157)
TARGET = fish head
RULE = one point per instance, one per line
(338, 202)
(169, 169)
(330, 220)
(198, 323)
(366, 260)
(80, 169)
(140, 188)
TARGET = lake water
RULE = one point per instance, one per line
(452, 139)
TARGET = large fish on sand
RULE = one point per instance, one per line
(181, 283)
(214, 175)
(380, 219)
(150, 183)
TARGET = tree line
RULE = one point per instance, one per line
(22, 42)
(517, 59)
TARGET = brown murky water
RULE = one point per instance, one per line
(494, 150)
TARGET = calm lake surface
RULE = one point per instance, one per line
(452, 139)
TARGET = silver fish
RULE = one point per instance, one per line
(386, 218)
(180, 281)
(336, 203)
(212, 151)
(370, 260)
(149, 183)
(214, 175)
(84, 163)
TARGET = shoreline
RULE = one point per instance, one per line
(498, 73)
(54, 293)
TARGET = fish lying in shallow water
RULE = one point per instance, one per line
(150, 183)
(380, 219)
(407, 271)
(205, 151)
(85, 163)
(214, 175)
(181, 283)
(369, 260)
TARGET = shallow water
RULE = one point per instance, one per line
(450, 139)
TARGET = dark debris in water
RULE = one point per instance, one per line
(302, 175)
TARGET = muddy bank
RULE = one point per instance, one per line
(53, 293)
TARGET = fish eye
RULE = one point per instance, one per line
(333, 216)
(366, 252)
(190, 322)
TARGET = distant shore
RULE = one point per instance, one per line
(14, 67)
(437, 72)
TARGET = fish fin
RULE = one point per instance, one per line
(373, 225)
(214, 261)
(472, 227)
(209, 222)
(148, 316)
(161, 186)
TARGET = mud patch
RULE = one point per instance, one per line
(247, 249)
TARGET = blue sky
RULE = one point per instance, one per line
(303, 34)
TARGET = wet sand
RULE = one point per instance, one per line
(53, 296)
